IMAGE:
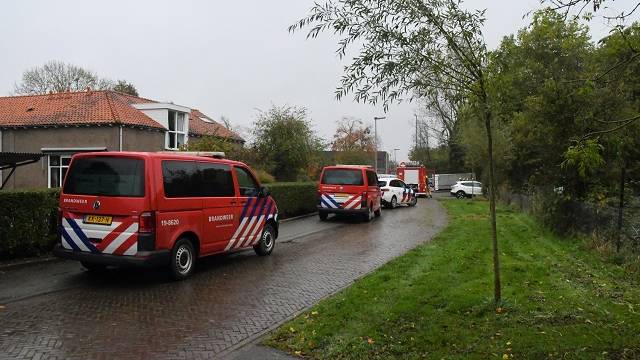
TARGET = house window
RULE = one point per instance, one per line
(177, 133)
(58, 165)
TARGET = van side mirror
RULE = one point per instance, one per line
(264, 192)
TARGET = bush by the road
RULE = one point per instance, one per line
(294, 198)
(560, 300)
(27, 222)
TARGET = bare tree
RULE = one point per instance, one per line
(125, 87)
(226, 122)
(577, 8)
(56, 76)
(352, 135)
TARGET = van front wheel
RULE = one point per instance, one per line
(267, 241)
(183, 259)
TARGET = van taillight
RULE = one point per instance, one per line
(364, 199)
(147, 223)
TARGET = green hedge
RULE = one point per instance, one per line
(294, 198)
(27, 222)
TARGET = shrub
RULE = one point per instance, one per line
(265, 177)
(294, 198)
(27, 222)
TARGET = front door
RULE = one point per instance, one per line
(251, 210)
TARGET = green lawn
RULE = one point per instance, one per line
(559, 300)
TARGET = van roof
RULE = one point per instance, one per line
(349, 167)
(162, 155)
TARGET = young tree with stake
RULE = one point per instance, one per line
(411, 48)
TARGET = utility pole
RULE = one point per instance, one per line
(428, 151)
(375, 134)
(416, 147)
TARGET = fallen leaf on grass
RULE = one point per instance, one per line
(505, 356)
(292, 330)
(370, 341)
(314, 313)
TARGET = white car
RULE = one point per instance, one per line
(466, 188)
(396, 192)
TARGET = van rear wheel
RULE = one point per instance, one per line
(183, 259)
(323, 215)
(267, 241)
(378, 212)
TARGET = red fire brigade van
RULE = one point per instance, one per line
(349, 189)
(414, 176)
(135, 208)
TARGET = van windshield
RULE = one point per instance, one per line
(342, 177)
(107, 176)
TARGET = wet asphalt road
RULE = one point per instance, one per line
(58, 311)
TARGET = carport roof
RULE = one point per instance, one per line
(12, 159)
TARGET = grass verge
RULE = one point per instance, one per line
(560, 300)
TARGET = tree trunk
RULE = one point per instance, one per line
(621, 207)
(497, 292)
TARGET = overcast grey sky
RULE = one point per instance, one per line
(222, 57)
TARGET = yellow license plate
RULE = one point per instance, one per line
(98, 219)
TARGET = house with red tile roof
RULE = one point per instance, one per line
(62, 124)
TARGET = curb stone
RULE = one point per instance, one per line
(14, 264)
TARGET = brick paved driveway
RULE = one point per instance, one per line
(129, 314)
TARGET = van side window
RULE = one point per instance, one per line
(180, 178)
(246, 183)
(372, 178)
(216, 180)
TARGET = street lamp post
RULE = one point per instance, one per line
(375, 134)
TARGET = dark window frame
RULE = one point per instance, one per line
(72, 172)
(195, 185)
(250, 176)
(226, 168)
(374, 176)
(324, 174)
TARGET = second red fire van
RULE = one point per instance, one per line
(349, 189)
(129, 208)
